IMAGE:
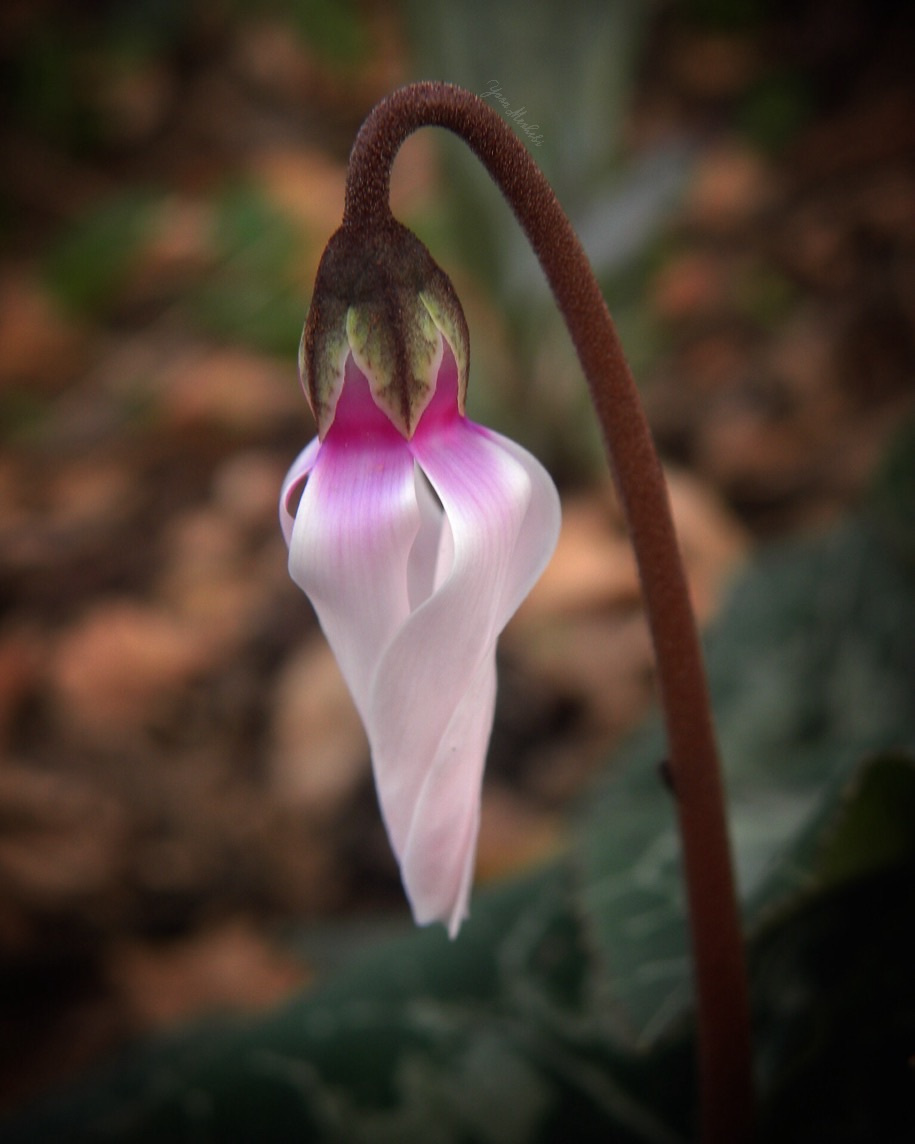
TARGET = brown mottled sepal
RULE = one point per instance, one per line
(380, 296)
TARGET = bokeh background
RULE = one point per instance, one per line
(187, 820)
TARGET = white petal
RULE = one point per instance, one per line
(431, 710)
(351, 542)
(298, 472)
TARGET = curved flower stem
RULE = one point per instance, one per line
(726, 1098)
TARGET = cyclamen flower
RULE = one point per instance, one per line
(416, 535)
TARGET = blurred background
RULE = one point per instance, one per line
(185, 797)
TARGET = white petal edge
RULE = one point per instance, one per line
(439, 857)
(423, 570)
(539, 533)
(298, 472)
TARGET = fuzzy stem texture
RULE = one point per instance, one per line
(725, 1068)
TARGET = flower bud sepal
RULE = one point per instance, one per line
(381, 297)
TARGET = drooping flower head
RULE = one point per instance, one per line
(416, 535)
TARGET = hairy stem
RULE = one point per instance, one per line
(726, 1098)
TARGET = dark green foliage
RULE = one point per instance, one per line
(833, 989)
(90, 263)
(776, 109)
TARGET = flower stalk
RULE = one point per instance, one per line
(725, 1070)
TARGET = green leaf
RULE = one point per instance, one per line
(811, 668)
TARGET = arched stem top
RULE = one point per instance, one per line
(425, 105)
(721, 988)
